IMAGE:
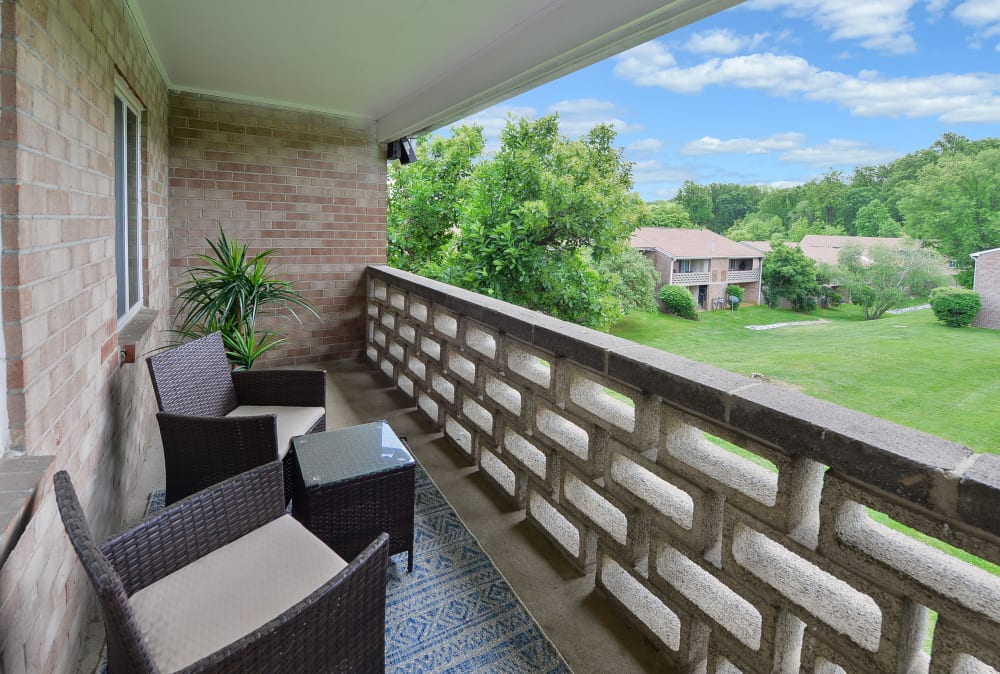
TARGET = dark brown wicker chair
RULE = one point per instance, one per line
(337, 624)
(216, 423)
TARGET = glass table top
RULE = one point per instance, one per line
(348, 453)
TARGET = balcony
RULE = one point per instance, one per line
(692, 278)
(721, 563)
(744, 276)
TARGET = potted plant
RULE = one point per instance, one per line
(227, 293)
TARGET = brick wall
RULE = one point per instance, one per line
(987, 284)
(309, 185)
(68, 396)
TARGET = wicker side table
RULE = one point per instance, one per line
(353, 484)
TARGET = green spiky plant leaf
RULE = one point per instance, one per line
(226, 294)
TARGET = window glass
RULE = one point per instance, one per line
(128, 208)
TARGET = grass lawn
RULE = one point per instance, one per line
(907, 368)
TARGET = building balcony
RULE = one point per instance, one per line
(599, 449)
(693, 278)
(743, 276)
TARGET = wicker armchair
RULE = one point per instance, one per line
(224, 581)
(216, 423)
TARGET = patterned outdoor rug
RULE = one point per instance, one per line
(455, 612)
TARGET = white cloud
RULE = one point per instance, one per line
(882, 25)
(937, 7)
(978, 12)
(840, 152)
(494, 119)
(646, 146)
(983, 15)
(652, 171)
(785, 184)
(578, 116)
(775, 142)
(951, 98)
(722, 41)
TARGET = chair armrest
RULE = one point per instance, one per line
(340, 627)
(299, 388)
(201, 451)
(193, 527)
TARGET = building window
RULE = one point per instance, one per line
(684, 266)
(128, 205)
(739, 264)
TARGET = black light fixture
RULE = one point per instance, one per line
(401, 149)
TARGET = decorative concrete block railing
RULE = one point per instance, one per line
(727, 565)
(744, 276)
(690, 278)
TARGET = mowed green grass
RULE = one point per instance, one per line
(907, 368)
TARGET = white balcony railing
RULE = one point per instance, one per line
(744, 276)
(727, 565)
(689, 278)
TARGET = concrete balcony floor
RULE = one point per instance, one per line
(583, 624)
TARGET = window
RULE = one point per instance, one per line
(739, 264)
(128, 205)
(684, 266)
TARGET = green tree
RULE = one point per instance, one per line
(668, 214)
(730, 203)
(697, 201)
(828, 196)
(526, 225)
(756, 227)
(633, 279)
(873, 219)
(425, 199)
(954, 204)
(882, 278)
(790, 274)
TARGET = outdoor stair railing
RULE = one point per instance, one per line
(727, 565)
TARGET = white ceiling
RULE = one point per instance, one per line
(409, 65)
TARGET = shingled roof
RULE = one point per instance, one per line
(690, 243)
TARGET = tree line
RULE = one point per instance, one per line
(544, 221)
(947, 195)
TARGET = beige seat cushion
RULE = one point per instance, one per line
(292, 421)
(232, 591)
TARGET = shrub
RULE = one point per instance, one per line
(829, 297)
(679, 301)
(737, 292)
(955, 307)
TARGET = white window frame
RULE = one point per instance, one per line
(128, 212)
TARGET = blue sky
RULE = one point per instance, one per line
(778, 92)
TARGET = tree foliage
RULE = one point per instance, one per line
(789, 274)
(668, 214)
(954, 204)
(873, 219)
(934, 194)
(882, 278)
(424, 209)
(530, 224)
(955, 307)
(633, 279)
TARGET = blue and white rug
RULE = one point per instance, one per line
(455, 612)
